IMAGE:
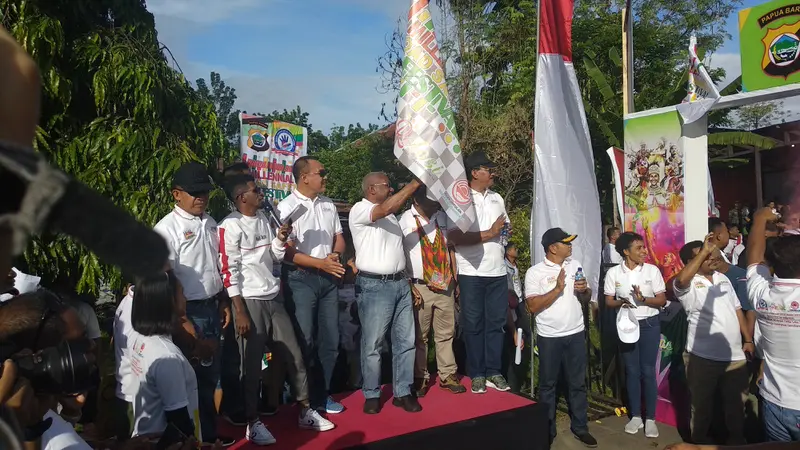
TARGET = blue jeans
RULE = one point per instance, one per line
(484, 303)
(640, 368)
(780, 424)
(204, 315)
(569, 353)
(314, 305)
(381, 305)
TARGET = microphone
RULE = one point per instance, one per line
(272, 213)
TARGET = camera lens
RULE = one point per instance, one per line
(68, 368)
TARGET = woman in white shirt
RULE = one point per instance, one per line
(163, 384)
(639, 286)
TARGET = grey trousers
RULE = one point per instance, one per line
(270, 326)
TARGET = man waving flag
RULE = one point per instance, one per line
(426, 140)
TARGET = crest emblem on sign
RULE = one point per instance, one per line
(257, 141)
(285, 141)
(781, 51)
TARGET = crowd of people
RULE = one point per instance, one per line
(271, 288)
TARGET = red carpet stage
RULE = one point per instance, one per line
(495, 420)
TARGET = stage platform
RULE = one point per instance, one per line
(495, 421)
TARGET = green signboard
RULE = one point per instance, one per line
(769, 38)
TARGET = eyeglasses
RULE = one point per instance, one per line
(489, 169)
(256, 191)
(322, 173)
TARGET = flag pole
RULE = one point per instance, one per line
(627, 59)
(533, 198)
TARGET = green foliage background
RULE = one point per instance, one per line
(118, 114)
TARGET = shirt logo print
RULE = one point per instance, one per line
(188, 234)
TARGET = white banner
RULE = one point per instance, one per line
(702, 93)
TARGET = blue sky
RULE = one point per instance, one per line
(319, 54)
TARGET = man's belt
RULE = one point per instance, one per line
(374, 276)
(221, 295)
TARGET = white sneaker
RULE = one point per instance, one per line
(258, 434)
(311, 420)
(650, 429)
(634, 425)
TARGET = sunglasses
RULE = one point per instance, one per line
(322, 173)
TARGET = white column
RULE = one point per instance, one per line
(694, 141)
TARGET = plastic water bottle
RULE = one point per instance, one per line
(579, 275)
(504, 235)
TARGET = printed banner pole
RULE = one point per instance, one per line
(270, 150)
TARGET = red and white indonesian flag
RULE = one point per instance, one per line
(426, 140)
(565, 188)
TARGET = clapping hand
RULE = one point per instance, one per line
(561, 281)
(636, 293)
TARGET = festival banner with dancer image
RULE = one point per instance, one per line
(270, 150)
(654, 200)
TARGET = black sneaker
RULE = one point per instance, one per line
(236, 419)
(586, 439)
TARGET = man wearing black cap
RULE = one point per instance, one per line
(480, 258)
(555, 289)
(192, 238)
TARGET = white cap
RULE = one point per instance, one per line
(627, 326)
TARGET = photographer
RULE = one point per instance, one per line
(39, 324)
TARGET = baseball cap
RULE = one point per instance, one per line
(478, 159)
(627, 326)
(554, 235)
(192, 177)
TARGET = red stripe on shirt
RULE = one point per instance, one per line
(226, 270)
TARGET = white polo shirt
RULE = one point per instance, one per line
(123, 331)
(379, 245)
(565, 316)
(713, 331)
(486, 259)
(610, 255)
(163, 381)
(314, 231)
(411, 243)
(620, 281)
(777, 304)
(193, 252)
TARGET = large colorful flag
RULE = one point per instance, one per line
(701, 93)
(565, 189)
(270, 149)
(426, 140)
